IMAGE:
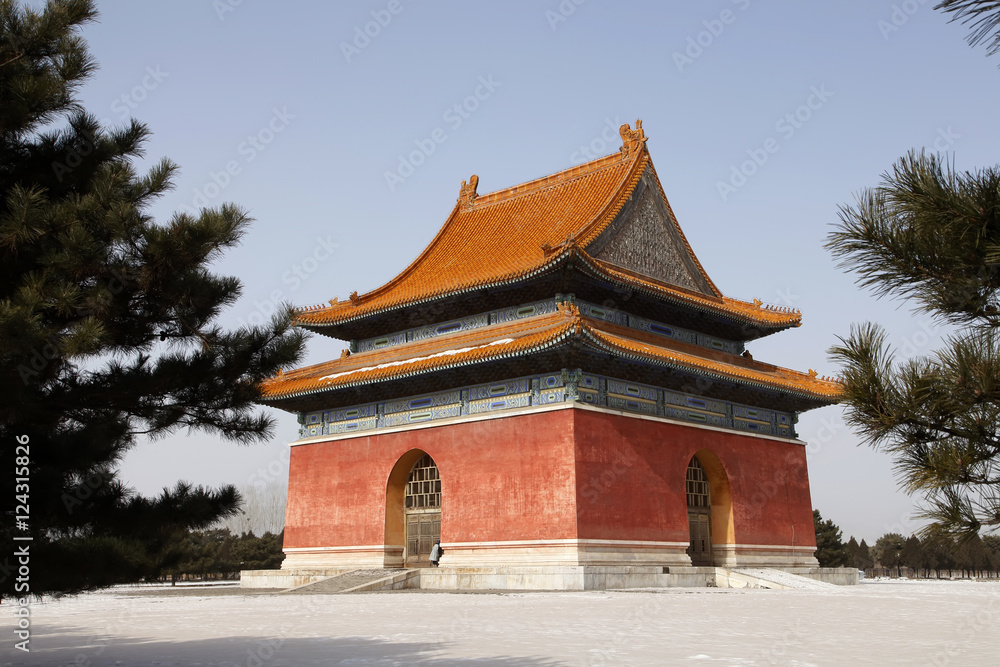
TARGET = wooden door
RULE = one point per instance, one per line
(422, 507)
(700, 549)
(422, 531)
(699, 505)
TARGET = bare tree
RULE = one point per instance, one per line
(262, 510)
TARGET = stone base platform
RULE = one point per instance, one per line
(552, 578)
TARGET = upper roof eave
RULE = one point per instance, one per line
(741, 312)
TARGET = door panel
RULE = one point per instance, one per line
(422, 531)
(700, 548)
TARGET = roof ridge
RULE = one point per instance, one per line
(550, 180)
(633, 150)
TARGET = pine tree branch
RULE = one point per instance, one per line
(983, 16)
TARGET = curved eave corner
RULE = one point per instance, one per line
(792, 383)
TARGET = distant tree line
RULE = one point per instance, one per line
(219, 554)
(249, 540)
(934, 557)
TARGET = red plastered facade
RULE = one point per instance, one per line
(550, 487)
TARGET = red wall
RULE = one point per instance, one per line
(550, 475)
(514, 477)
(630, 476)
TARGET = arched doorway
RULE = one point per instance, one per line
(422, 509)
(699, 504)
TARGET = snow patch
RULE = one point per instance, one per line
(390, 364)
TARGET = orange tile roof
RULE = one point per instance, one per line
(535, 334)
(512, 234)
(432, 354)
(726, 366)
(756, 311)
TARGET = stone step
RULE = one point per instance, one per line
(347, 581)
(761, 577)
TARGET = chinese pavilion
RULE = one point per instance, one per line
(554, 381)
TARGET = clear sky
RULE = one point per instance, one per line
(292, 111)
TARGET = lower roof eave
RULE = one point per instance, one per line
(284, 398)
(799, 401)
(811, 400)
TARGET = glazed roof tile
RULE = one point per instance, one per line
(432, 354)
(637, 344)
(756, 312)
(535, 334)
(509, 235)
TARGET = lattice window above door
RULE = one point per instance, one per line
(423, 488)
(697, 485)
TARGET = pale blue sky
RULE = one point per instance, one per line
(330, 125)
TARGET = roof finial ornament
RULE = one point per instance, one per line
(568, 308)
(467, 193)
(354, 298)
(632, 140)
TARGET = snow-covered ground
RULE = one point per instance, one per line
(875, 623)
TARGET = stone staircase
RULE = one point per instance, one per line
(767, 578)
(356, 581)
